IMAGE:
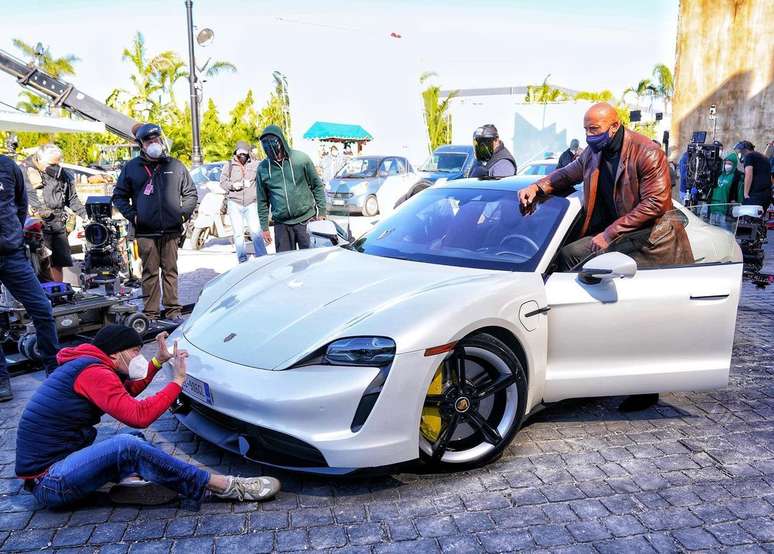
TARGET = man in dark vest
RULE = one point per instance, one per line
(57, 457)
(492, 157)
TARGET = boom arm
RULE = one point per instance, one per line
(65, 95)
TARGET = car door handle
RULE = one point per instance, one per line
(709, 296)
(538, 311)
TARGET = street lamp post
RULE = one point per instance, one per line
(196, 150)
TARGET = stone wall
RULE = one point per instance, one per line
(725, 56)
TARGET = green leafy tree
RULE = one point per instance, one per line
(643, 89)
(436, 112)
(600, 96)
(276, 111)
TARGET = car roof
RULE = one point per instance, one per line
(454, 149)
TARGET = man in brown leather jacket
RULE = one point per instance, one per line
(627, 200)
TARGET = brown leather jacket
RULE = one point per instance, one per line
(642, 195)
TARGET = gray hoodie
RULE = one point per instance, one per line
(239, 181)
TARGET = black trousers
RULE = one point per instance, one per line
(575, 254)
(290, 237)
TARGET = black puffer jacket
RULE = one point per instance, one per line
(49, 196)
(156, 196)
(13, 206)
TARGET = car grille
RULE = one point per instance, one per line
(266, 445)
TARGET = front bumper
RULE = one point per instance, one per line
(342, 203)
(302, 418)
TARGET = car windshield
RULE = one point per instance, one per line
(538, 169)
(478, 228)
(445, 162)
(205, 173)
(358, 168)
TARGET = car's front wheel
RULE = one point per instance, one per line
(474, 405)
(371, 206)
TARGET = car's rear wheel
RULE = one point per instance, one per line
(371, 206)
(474, 406)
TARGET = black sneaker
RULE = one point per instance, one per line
(6, 393)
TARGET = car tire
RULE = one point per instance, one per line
(370, 206)
(469, 426)
(199, 237)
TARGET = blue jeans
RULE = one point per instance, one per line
(111, 460)
(241, 216)
(19, 278)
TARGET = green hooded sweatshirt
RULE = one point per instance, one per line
(292, 189)
(721, 192)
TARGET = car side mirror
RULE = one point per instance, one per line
(612, 265)
(322, 228)
(750, 211)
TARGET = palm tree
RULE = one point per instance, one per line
(644, 88)
(168, 69)
(141, 102)
(436, 112)
(665, 84)
(56, 67)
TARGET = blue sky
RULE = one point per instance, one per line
(341, 63)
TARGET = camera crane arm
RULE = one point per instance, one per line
(65, 95)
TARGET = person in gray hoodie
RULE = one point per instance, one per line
(238, 180)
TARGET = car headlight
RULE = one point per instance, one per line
(367, 351)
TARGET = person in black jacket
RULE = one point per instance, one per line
(569, 155)
(16, 273)
(51, 189)
(156, 194)
(493, 159)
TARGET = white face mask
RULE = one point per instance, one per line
(728, 167)
(138, 367)
(154, 150)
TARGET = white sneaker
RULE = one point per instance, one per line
(250, 489)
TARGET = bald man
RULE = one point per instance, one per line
(627, 194)
(627, 199)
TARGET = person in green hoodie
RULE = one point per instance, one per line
(723, 190)
(289, 186)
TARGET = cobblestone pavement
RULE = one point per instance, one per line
(695, 472)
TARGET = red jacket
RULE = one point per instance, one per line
(113, 393)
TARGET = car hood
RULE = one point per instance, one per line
(343, 185)
(291, 304)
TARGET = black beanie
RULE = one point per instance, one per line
(115, 338)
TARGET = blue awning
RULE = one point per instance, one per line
(323, 130)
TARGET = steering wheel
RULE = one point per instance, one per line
(524, 238)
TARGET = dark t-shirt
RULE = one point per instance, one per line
(761, 181)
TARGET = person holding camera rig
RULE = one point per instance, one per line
(238, 180)
(50, 189)
(757, 176)
(16, 273)
(156, 194)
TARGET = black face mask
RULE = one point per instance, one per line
(273, 147)
(243, 158)
(54, 171)
(484, 149)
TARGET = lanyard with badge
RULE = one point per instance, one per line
(149, 185)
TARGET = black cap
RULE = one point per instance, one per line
(115, 338)
(146, 131)
(487, 131)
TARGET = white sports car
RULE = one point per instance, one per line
(436, 334)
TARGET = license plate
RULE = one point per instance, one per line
(197, 389)
(338, 202)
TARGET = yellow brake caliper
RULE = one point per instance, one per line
(430, 424)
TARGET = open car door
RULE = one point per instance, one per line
(662, 329)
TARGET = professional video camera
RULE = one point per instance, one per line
(103, 261)
(704, 166)
(751, 236)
